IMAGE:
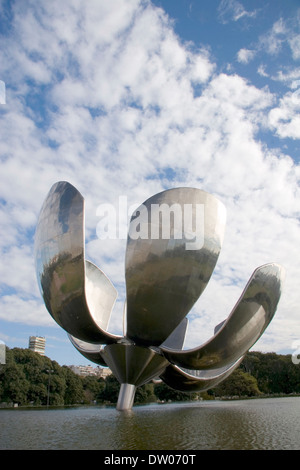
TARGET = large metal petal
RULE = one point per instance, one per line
(177, 337)
(133, 364)
(248, 320)
(90, 351)
(188, 381)
(76, 293)
(166, 271)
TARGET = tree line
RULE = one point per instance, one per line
(30, 379)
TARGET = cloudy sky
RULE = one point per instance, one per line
(125, 98)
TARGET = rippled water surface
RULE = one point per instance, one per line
(245, 424)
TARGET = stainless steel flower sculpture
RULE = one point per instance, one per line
(165, 275)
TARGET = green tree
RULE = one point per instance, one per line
(30, 378)
(111, 390)
(73, 387)
(14, 385)
(293, 372)
(145, 394)
(37, 394)
(239, 383)
(93, 388)
(275, 373)
(166, 393)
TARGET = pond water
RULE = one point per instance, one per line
(272, 423)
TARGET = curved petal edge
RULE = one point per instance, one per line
(188, 381)
(76, 293)
(244, 326)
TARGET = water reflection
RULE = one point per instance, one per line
(252, 424)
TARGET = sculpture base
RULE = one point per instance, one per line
(126, 397)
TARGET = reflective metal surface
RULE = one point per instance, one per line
(126, 397)
(173, 245)
(196, 381)
(177, 337)
(164, 278)
(248, 320)
(91, 351)
(133, 364)
(76, 293)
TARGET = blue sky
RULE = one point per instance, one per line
(130, 97)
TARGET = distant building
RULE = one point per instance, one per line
(104, 372)
(90, 370)
(37, 344)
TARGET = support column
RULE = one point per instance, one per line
(126, 397)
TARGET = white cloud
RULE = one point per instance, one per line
(272, 41)
(282, 38)
(232, 10)
(103, 97)
(285, 119)
(290, 77)
(245, 55)
(295, 46)
(262, 70)
(2, 92)
(15, 309)
(283, 32)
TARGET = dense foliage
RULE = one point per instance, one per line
(274, 373)
(28, 378)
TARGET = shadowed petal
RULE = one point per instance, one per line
(167, 270)
(196, 381)
(244, 326)
(91, 351)
(76, 293)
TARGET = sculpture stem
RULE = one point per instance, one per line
(126, 397)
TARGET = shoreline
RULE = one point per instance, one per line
(13, 406)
